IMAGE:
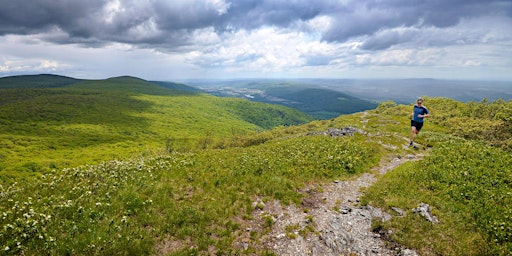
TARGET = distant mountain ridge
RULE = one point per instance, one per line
(406, 90)
(403, 91)
(54, 81)
(177, 86)
(122, 82)
(36, 81)
(320, 102)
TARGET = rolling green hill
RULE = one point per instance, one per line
(36, 81)
(319, 102)
(53, 124)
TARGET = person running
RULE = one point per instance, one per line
(418, 114)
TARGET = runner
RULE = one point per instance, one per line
(418, 114)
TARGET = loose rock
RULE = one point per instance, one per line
(424, 210)
(399, 211)
(334, 132)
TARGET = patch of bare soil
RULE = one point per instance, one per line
(330, 221)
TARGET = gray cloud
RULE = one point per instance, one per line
(172, 24)
(365, 18)
(387, 39)
(28, 17)
(383, 24)
(281, 13)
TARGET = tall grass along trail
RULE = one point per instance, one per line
(334, 222)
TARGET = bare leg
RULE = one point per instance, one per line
(413, 133)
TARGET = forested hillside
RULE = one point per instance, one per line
(315, 100)
(198, 193)
(319, 102)
(58, 124)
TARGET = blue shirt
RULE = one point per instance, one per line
(419, 111)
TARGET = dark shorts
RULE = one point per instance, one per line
(416, 124)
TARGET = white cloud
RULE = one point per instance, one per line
(267, 49)
(320, 23)
(220, 6)
(111, 9)
(31, 65)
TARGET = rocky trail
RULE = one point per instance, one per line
(330, 220)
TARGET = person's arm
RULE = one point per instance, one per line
(425, 114)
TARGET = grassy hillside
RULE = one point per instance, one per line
(180, 203)
(96, 120)
(200, 200)
(466, 179)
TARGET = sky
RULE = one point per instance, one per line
(228, 39)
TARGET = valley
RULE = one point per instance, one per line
(402, 91)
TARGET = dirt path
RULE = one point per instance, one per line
(330, 221)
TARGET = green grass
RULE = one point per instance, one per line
(469, 191)
(134, 207)
(193, 200)
(92, 121)
(466, 181)
(190, 166)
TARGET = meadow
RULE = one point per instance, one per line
(174, 173)
(93, 121)
(196, 201)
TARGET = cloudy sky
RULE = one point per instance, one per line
(179, 39)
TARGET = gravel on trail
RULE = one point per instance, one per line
(330, 221)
